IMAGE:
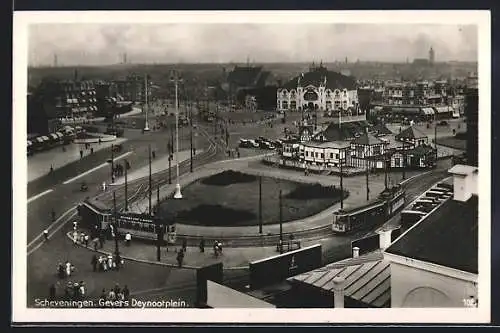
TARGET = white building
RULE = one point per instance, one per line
(435, 262)
(319, 89)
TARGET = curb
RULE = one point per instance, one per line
(144, 261)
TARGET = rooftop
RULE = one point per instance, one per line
(411, 133)
(448, 237)
(320, 75)
(461, 169)
(367, 279)
(367, 139)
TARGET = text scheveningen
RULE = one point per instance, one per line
(102, 303)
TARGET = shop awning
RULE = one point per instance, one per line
(59, 134)
(428, 111)
(39, 139)
(54, 136)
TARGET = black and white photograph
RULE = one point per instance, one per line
(251, 167)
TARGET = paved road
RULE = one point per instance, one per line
(43, 257)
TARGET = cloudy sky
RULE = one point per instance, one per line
(99, 44)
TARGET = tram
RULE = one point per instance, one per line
(98, 218)
(370, 215)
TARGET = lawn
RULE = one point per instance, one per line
(452, 142)
(231, 198)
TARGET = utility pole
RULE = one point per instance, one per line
(367, 175)
(191, 137)
(281, 221)
(158, 199)
(150, 180)
(341, 180)
(176, 80)
(260, 204)
(435, 137)
(146, 107)
(115, 216)
(126, 186)
(171, 154)
(112, 163)
(404, 159)
(386, 172)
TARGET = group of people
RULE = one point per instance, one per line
(65, 270)
(104, 263)
(73, 291)
(116, 294)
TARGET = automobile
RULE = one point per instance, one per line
(245, 143)
(443, 123)
(266, 145)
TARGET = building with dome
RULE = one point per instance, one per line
(319, 89)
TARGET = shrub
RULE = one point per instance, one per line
(316, 191)
(228, 177)
(211, 215)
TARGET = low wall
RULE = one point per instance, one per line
(95, 138)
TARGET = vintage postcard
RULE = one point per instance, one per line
(239, 167)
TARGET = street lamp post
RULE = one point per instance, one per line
(146, 107)
(341, 180)
(176, 80)
(115, 227)
(126, 186)
(281, 221)
(191, 137)
(260, 204)
(112, 163)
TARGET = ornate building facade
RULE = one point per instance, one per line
(319, 89)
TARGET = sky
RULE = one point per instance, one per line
(102, 44)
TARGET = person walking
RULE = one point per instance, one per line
(86, 240)
(94, 262)
(126, 292)
(83, 290)
(46, 235)
(184, 245)
(128, 239)
(202, 245)
(52, 292)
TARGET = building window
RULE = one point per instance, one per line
(336, 156)
(376, 150)
(307, 153)
(331, 155)
(322, 155)
(316, 155)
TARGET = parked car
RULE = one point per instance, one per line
(443, 123)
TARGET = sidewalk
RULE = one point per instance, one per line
(157, 165)
(232, 258)
(39, 164)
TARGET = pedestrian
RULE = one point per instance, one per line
(75, 237)
(117, 289)
(184, 245)
(128, 239)
(153, 154)
(91, 150)
(75, 225)
(93, 262)
(103, 294)
(110, 261)
(101, 241)
(180, 257)
(86, 239)
(100, 141)
(83, 290)
(51, 169)
(46, 235)
(202, 245)
(126, 292)
(52, 292)
(68, 269)
(60, 271)
(95, 242)
(111, 295)
(81, 154)
(100, 264)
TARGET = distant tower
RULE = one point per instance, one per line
(431, 55)
(125, 58)
(346, 60)
(55, 60)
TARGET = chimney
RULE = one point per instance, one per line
(355, 252)
(464, 181)
(384, 239)
(338, 292)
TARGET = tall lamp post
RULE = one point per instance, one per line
(281, 220)
(176, 79)
(146, 106)
(115, 232)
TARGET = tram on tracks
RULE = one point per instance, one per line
(98, 218)
(368, 216)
